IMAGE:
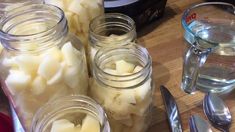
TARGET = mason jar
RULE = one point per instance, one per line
(41, 60)
(7, 5)
(109, 30)
(79, 14)
(122, 83)
(73, 113)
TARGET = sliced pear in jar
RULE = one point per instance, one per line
(62, 125)
(71, 55)
(90, 124)
(123, 67)
(17, 81)
(38, 85)
(49, 67)
(27, 63)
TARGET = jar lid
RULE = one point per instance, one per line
(5, 123)
(118, 3)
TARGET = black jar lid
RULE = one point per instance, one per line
(142, 11)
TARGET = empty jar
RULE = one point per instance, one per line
(41, 60)
(71, 114)
(122, 83)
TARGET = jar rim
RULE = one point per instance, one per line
(65, 103)
(145, 72)
(24, 9)
(129, 20)
(188, 10)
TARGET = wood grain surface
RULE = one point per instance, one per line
(164, 41)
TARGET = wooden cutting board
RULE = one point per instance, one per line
(164, 41)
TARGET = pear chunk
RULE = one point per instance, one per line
(38, 85)
(62, 125)
(123, 67)
(17, 81)
(71, 55)
(90, 124)
(48, 68)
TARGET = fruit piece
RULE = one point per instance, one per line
(76, 23)
(137, 69)
(17, 81)
(90, 124)
(53, 52)
(71, 76)
(79, 9)
(71, 55)
(27, 63)
(48, 67)
(9, 62)
(124, 67)
(57, 76)
(92, 7)
(119, 103)
(69, 15)
(143, 91)
(38, 85)
(62, 125)
(67, 3)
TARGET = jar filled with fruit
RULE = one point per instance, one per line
(79, 14)
(109, 30)
(71, 114)
(122, 83)
(41, 60)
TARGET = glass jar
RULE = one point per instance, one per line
(79, 14)
(122, 83)
(7, 5)
(71, 113)
(41, 60)
(109, 30)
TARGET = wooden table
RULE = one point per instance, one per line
(164, 40)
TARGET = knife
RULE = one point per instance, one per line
(171, 110)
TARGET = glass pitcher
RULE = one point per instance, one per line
(209, 59)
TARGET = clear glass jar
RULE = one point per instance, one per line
(41, 60)
(70, 113)
(7, 5)
(122, 83)
(79, 14)
(109, 30)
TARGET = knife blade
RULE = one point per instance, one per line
(171, 110)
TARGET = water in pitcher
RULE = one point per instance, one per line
(218, 37)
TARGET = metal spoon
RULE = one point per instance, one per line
(217, 112)
(197, 124)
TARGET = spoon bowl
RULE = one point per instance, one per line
(217, 112)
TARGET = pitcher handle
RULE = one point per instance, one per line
(194, 59)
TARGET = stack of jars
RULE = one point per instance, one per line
(44, 69)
